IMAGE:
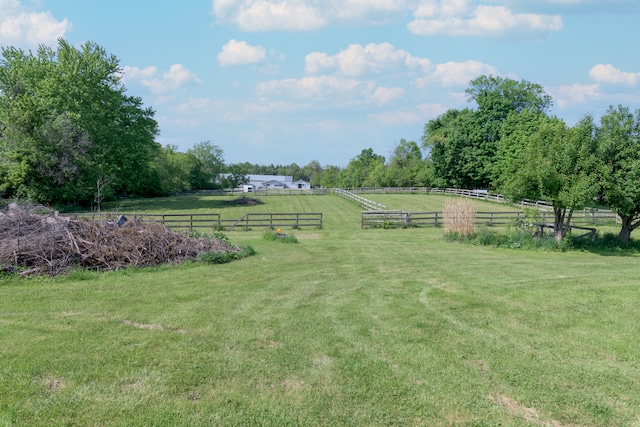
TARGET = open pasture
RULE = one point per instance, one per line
(347, 327)
(433, 203)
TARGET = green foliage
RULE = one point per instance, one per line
(175, 170)
(274, 236)
(209, 166)
(212, 257)
(521, 239)
(67, 126)
(558, 165)
(360, 170)
(619, 151)
(464, 144)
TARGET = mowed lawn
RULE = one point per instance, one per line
(348, 327)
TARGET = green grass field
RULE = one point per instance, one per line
(347, 327)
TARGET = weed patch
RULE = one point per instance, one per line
(274, 236)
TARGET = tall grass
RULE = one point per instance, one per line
(459, 217)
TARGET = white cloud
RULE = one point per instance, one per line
(319, 88)
(22, 28)
(138, 73)
(264, 15)
(399, 118)
(455, 74)
(575, 94)
(275, 15)
(177, 77)
(356, 60)
(386, 95)
(194, 105)
(453, 18)
(432, 110)
(609, 74)
(240, 53)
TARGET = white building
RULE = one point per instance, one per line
(273, 181)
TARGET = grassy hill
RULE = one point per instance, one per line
(347, 327)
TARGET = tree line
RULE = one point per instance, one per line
(69, 133)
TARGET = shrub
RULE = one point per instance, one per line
(280, 237)
(211, 257)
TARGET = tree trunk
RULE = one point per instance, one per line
(625, 231)
(559, 230)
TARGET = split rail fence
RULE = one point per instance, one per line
(247, 221)
(386, 218)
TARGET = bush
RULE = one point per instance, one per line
(210, 257)
(280, 237)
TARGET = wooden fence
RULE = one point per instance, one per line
(275, 220)
(386, 218)
(365, 203)
(258, 192)
(215, 222)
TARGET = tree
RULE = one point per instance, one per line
(456, 152)
(313, 173)
(405, 164)
(558, 165)
(174, 170)
(236, 176)
(619, 150)
(357, 171)
(66, 122)
(211, 164)
(463, 143)
(516, 130)
(331, 177)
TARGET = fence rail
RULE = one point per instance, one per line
(214, 221)
(275, 220)
(365, 203)
(387, 218)
(258, 192)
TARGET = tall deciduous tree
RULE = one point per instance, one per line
(619, 150)
(357, 172)
(66, 110)
(463, 143)
(211, 160)
(405, 165)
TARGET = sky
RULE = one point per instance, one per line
(293, 81)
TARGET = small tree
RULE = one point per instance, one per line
(619, 150)
(557, 165)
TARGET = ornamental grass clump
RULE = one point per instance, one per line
(459, 217)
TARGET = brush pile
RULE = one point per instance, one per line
(36, 240)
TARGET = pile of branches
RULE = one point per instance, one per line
(243, 201)
(36, 240)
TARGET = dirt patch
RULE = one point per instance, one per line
(54, 384)
(144, 325)
(517, 409)
(243, 201)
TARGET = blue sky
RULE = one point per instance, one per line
(283, 81)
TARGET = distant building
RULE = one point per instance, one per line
(272, 182)
(300, 184)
